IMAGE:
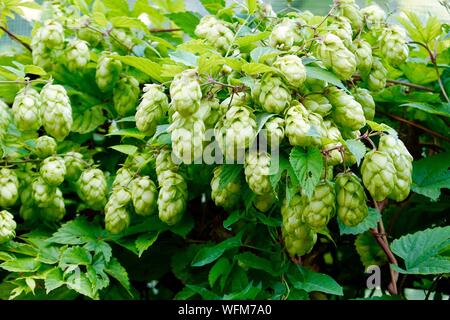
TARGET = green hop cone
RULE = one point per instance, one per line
(402, 161)
(317, 103)
(210, 111)
(42, 56)
(376, 79)
(373, 15)
(42, 193)
(363, 55)
(274, 128)
(117, 217)
(228, 196)
(124, 37)
(144, 196)
(87, 34)
(53, 170)
(151, 109)
(215, 32)
(56, 111)
(292, 68)
(274, 96)
(320, 208)
(7, 226)
(336, 57)
(283, 35)
(126, 95)
(164, 162)
(172, 198)
(341, 27)
(185, 93)
(378, 174)
(350, 10)
(45, 147)
(303, 128)
(351, 199)
(9, 187)
(123, 178)
(54, 209)
(51, 34)
(74, 165)
(347, 112)
(27, 109)
(264, 202)
(5, 118)
(333, 155)
(257, 165)
(393, 45)
(107, 72)
(77, 55)
(92, 188)
(365, 99)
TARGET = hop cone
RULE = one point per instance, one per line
(351, 199)
(56, 111)
(341, 27)
(274, 96)
(376, 80)
(333, 156)
(5, 118)
(317, 103)
(53, 170)
(87, 34)
(373, 15)
(27, 211)
(123, 178)
(42, 193)
(393, 45)
(45, 147)
(7, 226)
(378, 174)
(42, 56)
(264, 202)
(227, 196)
(151, 109)
(9, 188)
(107, 72)
(347, 112)
(336, 57)
(51, 34)
(77, 55)
(320, 208)
(363, 55)
(275, 130)
(283, 35)
(365, 99)
(54, 209)
(257, 165)
(402, 161)
(292, 68)
(117, 217)
(144, 196)
(215, 32)
(74, 165)
(164, 162)
(126, 95)
(303, 128)
(124, 38)
(185, 93)
(92, 188)
(26, 109)
(172, 198)
(210, 111)
(350, 10)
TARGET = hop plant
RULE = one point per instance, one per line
(317, 103)
(172, 197)
(164, 162)
(284, 36)
(275, 130)
(347, 112)
(402, 160)
(336, 57)
(123, 178)
(56, 111)
(117, 217)
(53, 170)
(264, 202)
(126, 95)
(124, 38)
(9, 188)
(185, 93)
(366, 101)
(92, 188)
(378, 174)
(274, 96)
(77, 55)
(151, 109)
(5, 118)
(45, 147)
(26, 109)
(51, 34)
(303, 128)
(376, 79)
(74, 165)
(7, 226)
(320, 208)
(363, 55)
(351, 199)
(227, 196)
(215, 32)
(41, 55)
(393, 45)
(350, 10)
(107, 72)
(144, 196)
(257, 165)
(85, 33)
(292, 68)
(373, 15)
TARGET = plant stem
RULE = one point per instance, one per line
(164, 30)
(15, 38)
(357, 77)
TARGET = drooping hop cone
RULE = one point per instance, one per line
(185, 93)
(336, 57)
(347, 112)
(74, 165)
(351, 199)
(54, 209)
(210, 111)
(332, 154)
(164, 162)
(350, 10)
(144, 196)
(7, 226)
(363, 55)
(376, 79)
(341, 27)
(27, 109)
(5, 118)
(53, 170)
(274, 96)
(373, 15)
(215, 32)
(172, 197)
(123, 178)
(151, 109)
(292, 68)
(77, 55)
(257, 172)
(283, 35)
(303, 128)
(317, 103)
(378, 174)
(92, 188)
(107, 72)
(42, 193)
(264, 202)
(126, 95)
(56, 111)
(117, 217)
(366, 101)
(227, 196)
(51, 34)
(321, 207)
(45, 147)
(274, 128)
(393, 45)
(9, 188)
(402, 161)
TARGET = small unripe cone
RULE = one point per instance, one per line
(126, 95)
(350, 10)
(27, 109)
(351, 199)
(151, 109)
(292, 68)
(402, 161)
(51, 34)
(45, 147)
(317, 103)
(144, 196)
(336, 57)
(53, 170)
(275, 130)
(56, 111)
(123, 178)
(378, 174)
(120, 196)
(92, 188)
(265, 201)
(7, 226)
(228, 196)
(376, 80)
(9, 188)
(5, 118)
(77, 55)
(347, 112)
(303, 128)
(107, 72)
(172, 198)
(364, 97)
(257, 175)
(363, 55)
(393, 45)
(215, 32)
(74, 165)
(274, 96)
(320, 208)
(373, 15)
(185, 92)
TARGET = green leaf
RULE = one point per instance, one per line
(117, 271)
(210, 254)
(249, 39)
(251, 260)
(431, 174)
(248, 293)
(125, 148)
(21, 265)
(253, 68)
(307, 165)
(325, 75)
(145, 241)
(229, 174)
(187, 21)
(129, 133)
(88, 121)
(219, 269)
(381, 127)
(203, 292)
(128, 22)
(369, 251)
(260, 54)
(75, 256)
(77, 231)
(268, 221)
(232, 218)
(251, 6)
(184, 226)
(421, 251)
(213, 5)
(150, 68)
(305, 279)
(277, 169)
(32, 69)
(370, 221)
(184, 57)
(357, 148)
(53, 279)
(442, 110)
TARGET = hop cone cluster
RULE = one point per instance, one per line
(336, 56)
(117, 217)
(7, 226)
(393, 45)
(257, 165)
(347, 112)
(320, 208)
(9, 187)
(303, 128)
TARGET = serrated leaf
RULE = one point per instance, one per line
(88, 121)
(118, 272)
(248, 293)
(184, 226)
(187, 21)
(213, 5)
(370, 221)
(130, 132)
(305, 279)
(203, 292)
(53, 279)
(249, 39)
(268, 221)
(251, 260)
(219, 269)
(21, 265)
(443, 109)
(150, 68)
(77, 231)
(382, 127)
(32, 69)
(125, 148)
(184, 57)
(369, 251)
(324, 75)
(307, 165)
(75, 256)
(210, 254)
(229, 173)
(357, 148)
(145, 241)
(253, 68)
(127, 22)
